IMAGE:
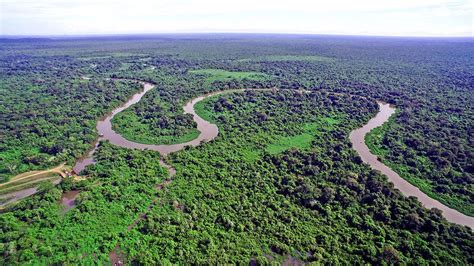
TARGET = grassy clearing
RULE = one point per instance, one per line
(28, 183)
(27, 179)
(201, 110)
(31, 179)
(301, 141)
(249, 155)
(37, 174)
(125, 66)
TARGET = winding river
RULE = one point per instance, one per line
(207, 130)
(210, 131)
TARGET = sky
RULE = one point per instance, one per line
(351, 17)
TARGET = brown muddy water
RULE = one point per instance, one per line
(68, 199)
(207, 130)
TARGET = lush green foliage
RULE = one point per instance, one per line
(157, 119)
(212, 75)
(277, 58)
(320, 205)
(280, 181)
(297, 135)
(121, 186)
(431, 167)
(48, 114)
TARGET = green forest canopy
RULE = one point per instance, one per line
(267, 159)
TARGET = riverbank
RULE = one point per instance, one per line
(209, 131)
(357, 138)
(374, 141)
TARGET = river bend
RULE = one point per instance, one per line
(357, 138)
(209, 131)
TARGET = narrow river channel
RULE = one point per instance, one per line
(207, 130)
(357, 138)
(210, 131)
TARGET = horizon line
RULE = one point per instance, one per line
(13, 36)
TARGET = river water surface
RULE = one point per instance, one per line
(21, 194)
(68, 199)
(207, 130)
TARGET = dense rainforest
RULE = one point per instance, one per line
(48, 112)
(279, 183)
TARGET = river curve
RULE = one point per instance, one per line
(357, 138)
(209, 131)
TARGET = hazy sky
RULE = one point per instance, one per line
(367, 17)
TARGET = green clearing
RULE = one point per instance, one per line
(28, 184)
(301, 141)
(125, 66)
